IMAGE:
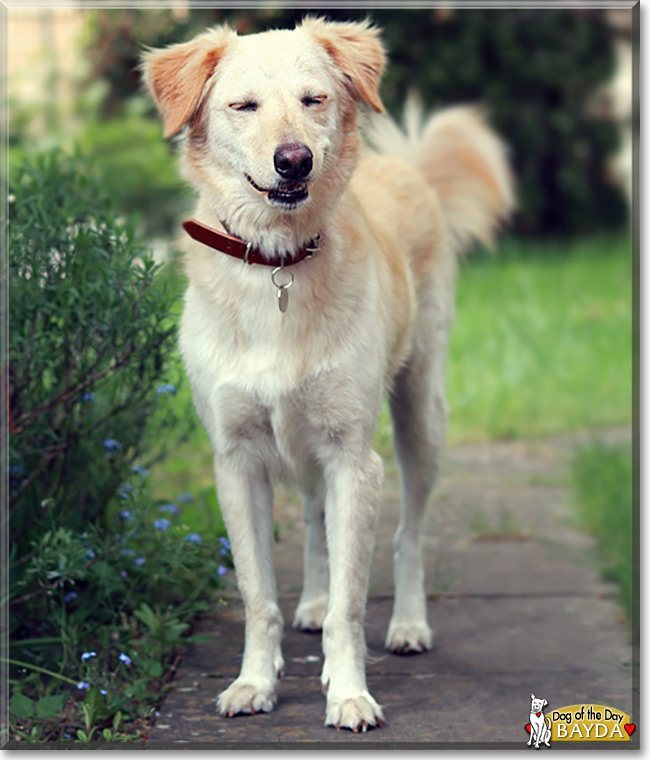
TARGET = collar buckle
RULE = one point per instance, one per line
(314, 248)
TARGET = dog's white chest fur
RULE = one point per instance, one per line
(293, 384)
(233, 331)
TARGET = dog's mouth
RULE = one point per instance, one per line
(286, 194)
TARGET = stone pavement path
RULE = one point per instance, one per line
(516, 602)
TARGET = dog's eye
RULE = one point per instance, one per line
(313, 100)
(247, 105)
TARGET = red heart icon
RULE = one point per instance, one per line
(630, 728)
(528, 727)
(538, 714)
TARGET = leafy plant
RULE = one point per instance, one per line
(120, 603)
(105, 581)
(90, 338)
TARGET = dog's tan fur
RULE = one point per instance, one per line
(298, 394)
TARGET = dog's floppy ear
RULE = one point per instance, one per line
(176, 75)
(532, 696)
(544, 703)
(356, 49)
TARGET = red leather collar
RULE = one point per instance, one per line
(238, 248)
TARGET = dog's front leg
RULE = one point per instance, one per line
(350, 516)
(246, 500)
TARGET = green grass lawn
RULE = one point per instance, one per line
(542, 343)
(602, 478)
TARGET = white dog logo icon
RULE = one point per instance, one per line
(540, 730)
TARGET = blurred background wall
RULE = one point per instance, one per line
(557, 83)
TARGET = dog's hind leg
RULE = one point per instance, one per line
(312, 606)
(246, 500)
(418, 410)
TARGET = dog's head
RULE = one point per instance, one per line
(536, 704)
(270, 118)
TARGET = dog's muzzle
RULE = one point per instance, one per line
(286, 193)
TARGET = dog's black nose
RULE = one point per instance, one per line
(293, 161)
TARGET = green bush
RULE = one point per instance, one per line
(536, 69)
(97, 616)
(90, 340)
(95, 564)
(139, 171)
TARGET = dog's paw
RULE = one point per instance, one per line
(309, 615)
(409, 638)
(355, 713)
(245, 697)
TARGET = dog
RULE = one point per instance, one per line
(540, 731)
(350, 298)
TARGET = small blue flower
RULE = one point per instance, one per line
(140, 470)
(170, 508)
(127, 551)
(124, 491)
(83, 685)
(90, 554)
(139, 561)
(89, 397)
(221, 570)
(70, 597)
(162, 523)
(16, 472)
(104, 692)
(124, 574)
(110, 444)
(126, 659)
(166, 388)
(184, 498)
(193, 538)
(225, 547)
(87, 655)
(126, 515)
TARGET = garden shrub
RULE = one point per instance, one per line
(91, 337)
(97, 617)
(95, 563)
(139, 170)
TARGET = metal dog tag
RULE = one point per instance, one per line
(282, 287)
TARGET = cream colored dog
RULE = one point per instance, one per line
(271, 144)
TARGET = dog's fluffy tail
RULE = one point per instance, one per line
(462, 159)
